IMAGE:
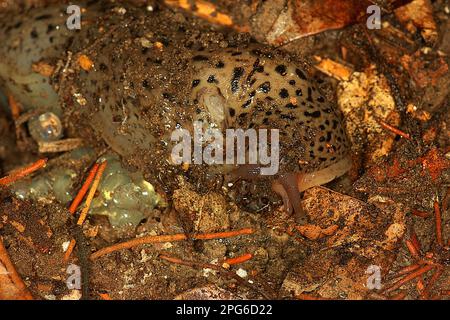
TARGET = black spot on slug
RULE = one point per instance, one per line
(281, 69)
(309, 98)
(220, 65)
(315, 114)
(200, 57)
(300, 74)
(284, 93)
(195, 83)
(246, 104)
(260, 69)
(265, 87)
(34, 34)
(291, 106)
(292, 82)
(237, 74)
(232, 112)
(299, 92)
(287, 117)
(43, 17)
(212, 79)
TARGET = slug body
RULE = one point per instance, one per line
(149, 78)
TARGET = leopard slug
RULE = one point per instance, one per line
(149, 77)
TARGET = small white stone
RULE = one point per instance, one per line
(73, 295)
(149, 8)
(241, 273)
(65, 246)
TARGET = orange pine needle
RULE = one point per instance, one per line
(412, 249)
(437, 215)
(105, 296)
(400, 296)
(421, 214)
(410, 277)
(23, 172)
(415, 241)
(408, 269)
(394, 130)
(14, 276)
(432, 281)
(91, 193)
(226, 234)
(14, 106)
(84, 189)
(167, 238)
(304, 296)
(237, 260)
(69, 250)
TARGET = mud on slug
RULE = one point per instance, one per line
(139, 92)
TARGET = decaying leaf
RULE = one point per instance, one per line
(419, 14)
(364, 100)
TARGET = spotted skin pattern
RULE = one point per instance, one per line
(262, 92)
(134, 98)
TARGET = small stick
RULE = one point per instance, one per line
(91, 193)
(226, 234)
(166, 238)
(421, 214)
(239, 259)
(69, 250)
(15, 277)
(23, 172)
(304, 296)
(432, 281)
(412, 249)
(220, 269)
(408, 269)
(410, 277)
(84, 189)
(399, 296)
(105, 296)
(14, 106)
(415, 241)
(394, 130)
(437, 215)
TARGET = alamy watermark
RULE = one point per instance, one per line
(238, 147)
(374, 278)
(73, 22)
(74, 279)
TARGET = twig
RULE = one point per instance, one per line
(14, 106)
(437, 215)
(394, 130)
(105, 296)
(15, 277)
(91, 193)
(304, 296)
(84, 189)
(20, 173)
(237, 260)
(220, 269)
(412, 249)
(408, 269)
(399, 296)
(60, 145)
(432, 281)
(69, 250)
(167, 238)
(410, 277)
(421, 214)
